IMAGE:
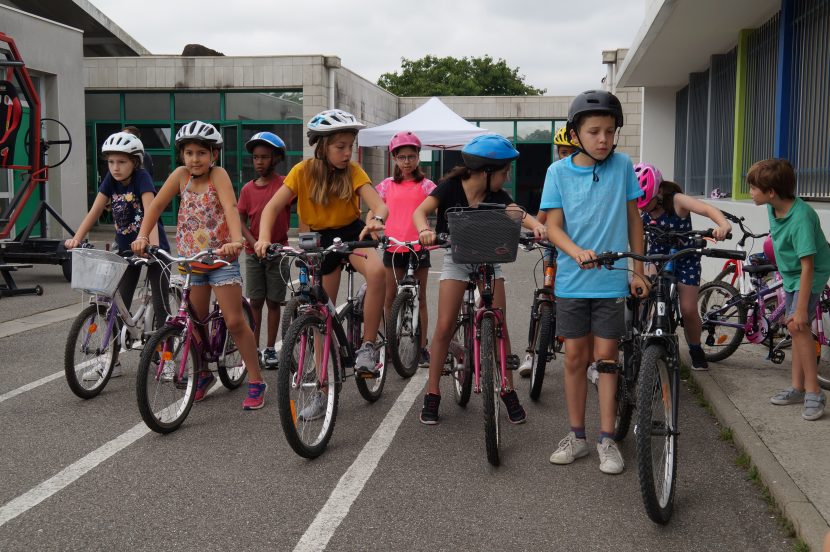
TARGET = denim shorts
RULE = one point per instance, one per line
(226, 276)
(791, 300)
(455, 271)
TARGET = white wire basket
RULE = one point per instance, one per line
(96, 271)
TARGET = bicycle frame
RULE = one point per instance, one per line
(133, 324)
(485, 275)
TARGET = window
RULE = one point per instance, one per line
(203, 106)
(263, 106)
(146, 106)
(102, 106)
(505, 128)
(534, 131)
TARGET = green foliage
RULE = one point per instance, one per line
(449, 76)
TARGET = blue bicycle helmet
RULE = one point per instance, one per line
(266, 139)
(488, 152)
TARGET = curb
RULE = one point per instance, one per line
(809, 524)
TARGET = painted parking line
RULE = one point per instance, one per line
(340, 501)
(30, 386)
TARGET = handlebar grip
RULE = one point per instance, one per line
(363, 244)
(726, 254)
(710, 233)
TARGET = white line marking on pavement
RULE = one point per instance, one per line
(351, 484)
(38, 320)
(29, 386)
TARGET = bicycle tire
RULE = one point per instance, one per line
(372, 388)
(461, 362)
(721, 341)
(545, 327)
(289, 313)
(626, 388)
(164, 400)
(823, 366)
(86, 324)
(655, 434)
(230, 366)
(490, 389)
(404, 335)
(307, 435)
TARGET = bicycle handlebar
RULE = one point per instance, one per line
(208, 255)
(740, 222)
(660, 232)
(277, 249)
(609, 257)
(529, 241)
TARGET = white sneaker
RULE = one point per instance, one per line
(569, 449)
(610, 459)
(593, 373)
(526, 366)
(95, 374)
(315, 409)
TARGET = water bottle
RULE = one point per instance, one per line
(550, 274)
(670, 264)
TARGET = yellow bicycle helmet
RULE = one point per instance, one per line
(561, 138)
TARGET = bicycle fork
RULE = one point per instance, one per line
(499, 320)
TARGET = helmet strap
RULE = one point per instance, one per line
(596, 161)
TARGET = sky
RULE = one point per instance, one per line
(556, 45)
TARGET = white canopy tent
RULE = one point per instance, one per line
(437, 126)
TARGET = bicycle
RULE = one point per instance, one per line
(542, 343)
(658, 385)
(106, 326)
(186, 346)
(317, 350)
(735, 267)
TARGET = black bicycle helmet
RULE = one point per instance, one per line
(595, 102)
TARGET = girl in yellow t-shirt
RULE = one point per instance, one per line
(328, 189)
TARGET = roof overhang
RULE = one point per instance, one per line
(678, 37)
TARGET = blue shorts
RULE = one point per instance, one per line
(791, 300)
(226, 276)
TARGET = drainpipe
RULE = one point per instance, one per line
(609, 58)
(331, 63)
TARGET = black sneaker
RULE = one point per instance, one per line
(429, 413)
(515, 411)
(270, 359)
(698, 359)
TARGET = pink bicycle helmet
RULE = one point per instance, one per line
(769, 252)
(404, 138)
(650, 179)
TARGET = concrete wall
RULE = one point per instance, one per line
(658, 126)
(54, 52)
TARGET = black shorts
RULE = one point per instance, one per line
(401, 259)
(350, 232)
(577, 318)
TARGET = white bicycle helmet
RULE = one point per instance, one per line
(123, 142)
(331, 121)
(197, 130)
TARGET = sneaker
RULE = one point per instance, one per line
(515, 412)
(365, 364)
(569, 449)
(203, 385)
(813, 406)
(698, 359)
(315, 409)
(429, 413)
(610, 459)
(526, 366)
(593, 373)
(269, 359)
(424, 360)
(256, 396)
(168, 372)
(95, 374)
(790, 395)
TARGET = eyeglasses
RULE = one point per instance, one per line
(405, 158)
(261, 157)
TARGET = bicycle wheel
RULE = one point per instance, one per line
(490, 388)
(460, 362)
(404, 335)
(545, 328)
(371, 388)
(656, 436)
(231, 367)
(289, 313)
(164, 394)
(88, 360)
(306, 403)
(715, 305)
(823, 365)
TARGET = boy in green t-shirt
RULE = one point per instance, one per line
(803, 259)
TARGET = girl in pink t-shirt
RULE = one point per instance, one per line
(402, 194)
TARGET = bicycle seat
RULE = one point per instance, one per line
(760, 269)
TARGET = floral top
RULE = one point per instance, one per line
(127, 209)
(201, 224)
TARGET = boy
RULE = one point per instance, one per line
(803, 259)
(591, 203)
(264, 283)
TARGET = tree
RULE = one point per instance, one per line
(449, 76)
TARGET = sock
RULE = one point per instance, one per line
(603, 435)
(693, 346)
(579, 432)
(270, 349)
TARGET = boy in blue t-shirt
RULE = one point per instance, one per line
(591, 202)
(803, 259)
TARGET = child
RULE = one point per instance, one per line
(328, 189)
(591, 205)
(803, 259)
(208, 219)
(129, 190)
(480, 179)
(665, 206)
(565, 147)
(402, 194)
(264, 283)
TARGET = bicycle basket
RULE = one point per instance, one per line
(95, 271)
(484, 235)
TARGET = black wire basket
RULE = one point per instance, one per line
(485, 235)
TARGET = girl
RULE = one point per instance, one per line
(328, 189)
(664, 205)
(208, 219)
(480, 179)
(130, 191)
(402, 194)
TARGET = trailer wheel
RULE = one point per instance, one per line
(66, 267)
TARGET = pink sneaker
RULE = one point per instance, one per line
(256, 396)
(203, 385)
